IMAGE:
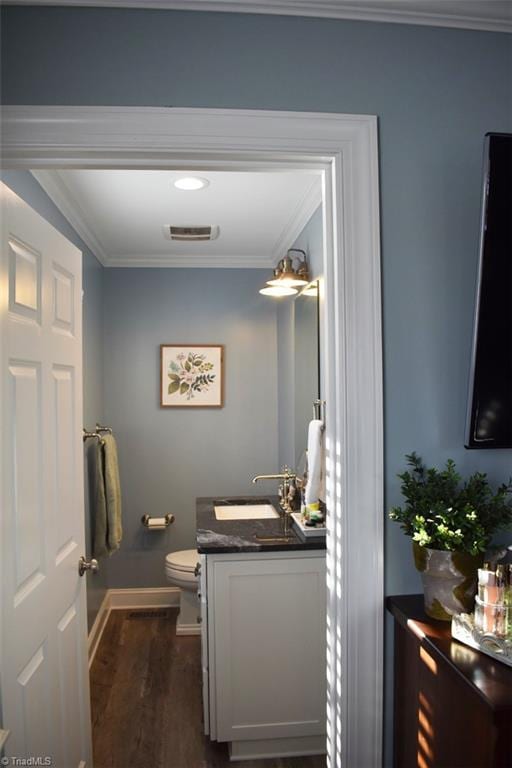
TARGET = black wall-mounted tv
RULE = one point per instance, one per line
(489, 412)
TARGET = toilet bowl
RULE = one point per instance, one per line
(180, 570)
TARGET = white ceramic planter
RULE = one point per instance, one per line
(449, 580)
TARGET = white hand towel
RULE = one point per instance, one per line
(314, 484)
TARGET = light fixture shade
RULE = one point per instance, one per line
(278, 290)
(286, 278)
(310, 290)
(287, 282)
(285, 274)
(289, 279)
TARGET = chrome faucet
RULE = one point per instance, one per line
(286, 491)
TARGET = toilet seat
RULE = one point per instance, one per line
(180, 567)
(184, 560)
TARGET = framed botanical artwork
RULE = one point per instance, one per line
(192, 375)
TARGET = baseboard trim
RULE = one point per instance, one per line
(159, 597)
(260, 749)
(98, 627)
(118, 599)
(188, 629)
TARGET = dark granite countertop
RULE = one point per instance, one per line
(223, 536)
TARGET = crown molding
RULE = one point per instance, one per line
(58, 192)
(300, 217)
(484, 15)
(190, 261)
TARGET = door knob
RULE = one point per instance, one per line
(87, 565)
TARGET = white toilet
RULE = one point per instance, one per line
(180, 570)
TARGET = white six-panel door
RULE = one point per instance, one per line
(44, 682)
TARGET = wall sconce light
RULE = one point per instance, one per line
(287, 277)
(311, 289)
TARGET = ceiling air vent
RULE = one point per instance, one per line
(191, 233)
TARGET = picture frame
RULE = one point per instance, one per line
(191, 375)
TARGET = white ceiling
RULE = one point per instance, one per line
(493, 15)
(120, 214)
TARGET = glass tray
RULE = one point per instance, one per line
(464, 630)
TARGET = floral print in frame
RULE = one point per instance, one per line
(192, 375)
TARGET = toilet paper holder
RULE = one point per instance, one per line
(157, 523)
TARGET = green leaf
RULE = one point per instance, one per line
(174, 377)
(173, 387)
(187, 365)
(183, 388)
(445, 512)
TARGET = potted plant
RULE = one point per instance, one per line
(451, 524)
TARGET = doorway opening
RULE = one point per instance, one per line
(343, 150)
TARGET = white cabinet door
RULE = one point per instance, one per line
(44, 684)
(269, 619)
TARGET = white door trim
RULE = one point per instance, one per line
(344, 149)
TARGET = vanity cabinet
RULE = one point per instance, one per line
(264, 651)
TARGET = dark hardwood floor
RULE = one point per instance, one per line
(146, 699)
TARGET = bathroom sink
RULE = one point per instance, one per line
(244, 511)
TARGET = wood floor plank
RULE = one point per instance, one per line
(146, 699)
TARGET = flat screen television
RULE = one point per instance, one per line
(489, 412)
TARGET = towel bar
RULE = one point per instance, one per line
(100, 428)
(87, 435)
(319, 410)
(97, 434)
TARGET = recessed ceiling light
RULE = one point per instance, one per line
(191, 183)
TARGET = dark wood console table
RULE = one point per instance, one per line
(453, 705)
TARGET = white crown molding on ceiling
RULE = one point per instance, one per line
(485, 15)
(59, 193)
(304, 211)
(191, 261)
(70, 209)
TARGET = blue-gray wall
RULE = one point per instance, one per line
(168, 456)
(25, 185)
(435, 91)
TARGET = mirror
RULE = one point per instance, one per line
(307, 364)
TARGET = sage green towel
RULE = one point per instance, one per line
(112, 493)
(99, 501)
(108, 530)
